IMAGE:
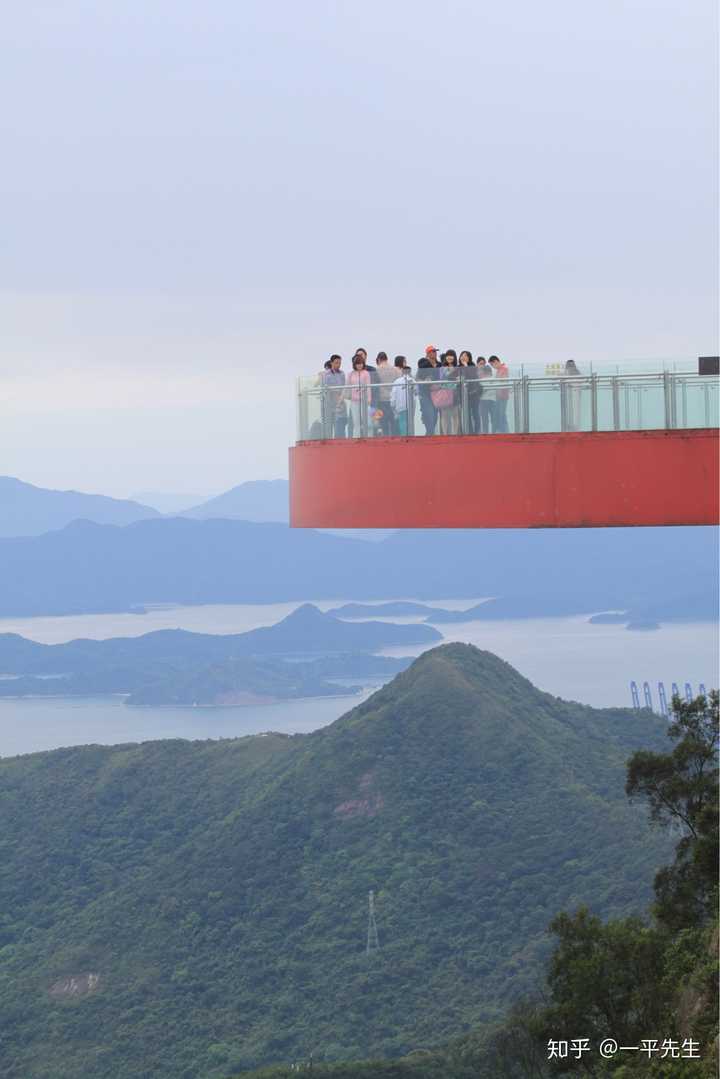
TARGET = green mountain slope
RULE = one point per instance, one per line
(192, 909)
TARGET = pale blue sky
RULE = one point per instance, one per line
(203, 200)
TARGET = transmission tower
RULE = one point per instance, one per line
(635, 697)
(373, 943)
(663, 699)
(688, 692)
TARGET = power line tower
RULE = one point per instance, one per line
(373, 943)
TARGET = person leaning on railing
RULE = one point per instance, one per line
(332, 380)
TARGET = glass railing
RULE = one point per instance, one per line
(446, 401)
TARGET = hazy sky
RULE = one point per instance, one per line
(202, 200)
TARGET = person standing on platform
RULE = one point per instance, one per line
(489, 399)
(386, 375)
(359, 391)
(449, 412)
(428, 371)
(473, 390)
(334, 407)
(402, 398)
(485, 409)
(502, 394)
(573, 397)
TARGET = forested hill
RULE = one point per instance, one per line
(192, 909)
(89, 567)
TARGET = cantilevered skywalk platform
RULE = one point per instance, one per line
(616, 449)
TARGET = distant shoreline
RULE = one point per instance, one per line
(256, 702)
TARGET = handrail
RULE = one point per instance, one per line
(660, 400)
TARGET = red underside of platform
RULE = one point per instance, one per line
(571, 480)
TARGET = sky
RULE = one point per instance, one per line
(202, 201)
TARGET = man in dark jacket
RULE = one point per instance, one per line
(426, 372)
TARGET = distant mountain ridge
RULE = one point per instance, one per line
(89, 567)
(217, 891)
(305, 630)
(175, 666)
(26, 510)
(254, 500)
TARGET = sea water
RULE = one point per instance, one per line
(568, 657)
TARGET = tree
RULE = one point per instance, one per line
(604, 980)
(681, 788)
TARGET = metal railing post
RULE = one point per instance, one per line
(302, 411)
(517, 406)
(616, 403)
(525, 392)
(667, 396)
(464, 407)
(324, 414)
(594, 402)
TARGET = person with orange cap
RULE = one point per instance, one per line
(428, 370)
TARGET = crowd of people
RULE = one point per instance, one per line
(456, 394)
(380, 398)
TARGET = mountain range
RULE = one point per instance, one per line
(27, 510)
(89, 567)
(192, 909)
(255, 500)
(178, 667)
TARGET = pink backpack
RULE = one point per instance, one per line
(442, 397)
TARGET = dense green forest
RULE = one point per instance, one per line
(648, 982)
(190, 910)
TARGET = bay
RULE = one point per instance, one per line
(40, 723)
(568, 657)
